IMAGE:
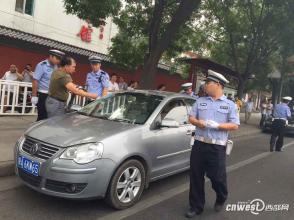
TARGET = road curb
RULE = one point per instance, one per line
(7, 168)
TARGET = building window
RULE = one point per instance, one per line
(24, 6)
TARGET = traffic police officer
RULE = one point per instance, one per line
(41, 80)
(281, 114)
(187, 87)
(98, 80)
(213, 115)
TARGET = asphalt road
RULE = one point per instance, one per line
(253, 173)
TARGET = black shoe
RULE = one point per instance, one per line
(271, 148)
(279, 150)
(192, 213)
(218, 206)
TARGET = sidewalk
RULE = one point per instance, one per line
(251, 127)
(12, 127)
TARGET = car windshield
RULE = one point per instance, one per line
(134, 108)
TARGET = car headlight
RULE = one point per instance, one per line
(85, 153)
(20, 141)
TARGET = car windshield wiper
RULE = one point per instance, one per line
(100, 117)
(124, 120)
(82, 113)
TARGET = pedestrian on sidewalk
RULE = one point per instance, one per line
(113, 86)
(60, 84)
(269, 108)
(41, 81)
(281, 115)
(213, 115)
(248, 109)
(122, 85)
(239, 103)
(263, 106)
(11, 75)
(27, 73)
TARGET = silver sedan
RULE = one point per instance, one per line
(112, 148)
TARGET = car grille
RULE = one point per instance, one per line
(29, 178)
(45, 151)
(64, 187)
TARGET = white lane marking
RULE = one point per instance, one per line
(158, 198)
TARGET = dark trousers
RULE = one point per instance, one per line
(209, 159)
(263, 117)
(42, 113)
(278, 131)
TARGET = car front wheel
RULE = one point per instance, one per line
(127, 185)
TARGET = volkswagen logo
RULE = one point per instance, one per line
(34, 149)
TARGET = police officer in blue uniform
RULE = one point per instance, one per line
(281, 115)
(41, 81)
(98, 80)
(214, 116)
(187, 89)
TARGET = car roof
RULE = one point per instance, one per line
(164, 94)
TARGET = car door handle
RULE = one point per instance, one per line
(189, 132)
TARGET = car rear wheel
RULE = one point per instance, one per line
(127, 185)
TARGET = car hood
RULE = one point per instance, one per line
(75, 129)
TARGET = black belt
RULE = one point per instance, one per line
(284, 119)
(57, 99)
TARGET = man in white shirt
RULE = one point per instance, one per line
(11, 75)
(248, 109)
(113, 86)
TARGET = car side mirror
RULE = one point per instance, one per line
(170, 123)
(75, 108)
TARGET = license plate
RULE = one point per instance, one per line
(29, 166)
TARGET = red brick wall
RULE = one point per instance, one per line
(20, 57)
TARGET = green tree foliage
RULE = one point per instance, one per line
(244, 34)
(148, 30)
(94, 10)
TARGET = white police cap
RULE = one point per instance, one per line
(56, 53)
(186, 85)
(94, 59)
(287, 98)
(216, 77)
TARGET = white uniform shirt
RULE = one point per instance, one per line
(113, 87)
(8, 76)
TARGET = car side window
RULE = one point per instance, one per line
(190, 103)
(175, 110)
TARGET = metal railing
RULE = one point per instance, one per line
(15, 98)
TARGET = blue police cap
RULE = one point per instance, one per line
(56, 53)
(94, 59)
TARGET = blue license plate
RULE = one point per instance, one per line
(29, 166)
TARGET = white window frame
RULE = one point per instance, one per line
(24, 8)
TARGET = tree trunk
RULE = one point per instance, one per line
(274, 91)
(148, 73)
(241, 87)
(180, 17)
